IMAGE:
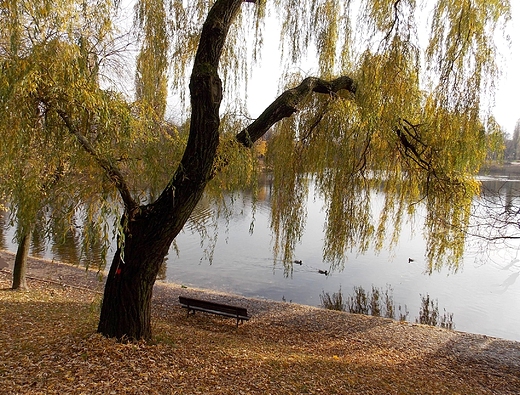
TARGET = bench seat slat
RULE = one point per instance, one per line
(218, 307)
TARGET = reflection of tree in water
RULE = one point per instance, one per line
(429, 314)
(66, 247)
(496, 217)
(502, 191)
(214, 213)
(65, 241)
(380, 303)
(76, 242)
(38, 242)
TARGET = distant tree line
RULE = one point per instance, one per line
(512, 146)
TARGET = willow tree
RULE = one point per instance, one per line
(388, 110)
(50, 52)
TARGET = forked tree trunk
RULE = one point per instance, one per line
(150, 230)
(148, 234)
(20, 263)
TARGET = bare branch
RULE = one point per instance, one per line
(111, 171)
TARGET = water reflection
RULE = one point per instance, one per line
(39, 243)
(478, 296)
(67, 247)
(379, 302)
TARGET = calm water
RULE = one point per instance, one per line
(483, 295)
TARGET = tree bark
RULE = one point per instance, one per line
(20, 263)
(126, 309)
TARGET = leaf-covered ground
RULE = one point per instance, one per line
(49, 345)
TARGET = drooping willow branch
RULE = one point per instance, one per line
(112, 171)
(287, 104)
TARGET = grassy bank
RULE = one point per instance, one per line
(48, 345)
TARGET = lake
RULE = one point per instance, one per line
(483, 295)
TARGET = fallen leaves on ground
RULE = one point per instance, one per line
(49, 345)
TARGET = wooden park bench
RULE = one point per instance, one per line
(193, 305)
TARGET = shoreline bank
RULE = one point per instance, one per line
(70, 275)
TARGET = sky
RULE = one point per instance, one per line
(507, 107)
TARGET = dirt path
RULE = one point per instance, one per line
(52, 271)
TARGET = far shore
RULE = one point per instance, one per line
(503, 169)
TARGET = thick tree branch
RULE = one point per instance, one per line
(287, 104)
(187, 184)
(206, 96)
(111, 171)
(196, 167)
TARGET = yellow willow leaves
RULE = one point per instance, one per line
(327, 35)
(387, 18)
(344, 144)
(235, 167)
(152, 63)
(51, 53)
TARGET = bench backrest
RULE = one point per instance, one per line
(241, 311)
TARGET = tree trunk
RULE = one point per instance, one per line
(20, 263)
(148, 231)
(147, 235)
(126, 309)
